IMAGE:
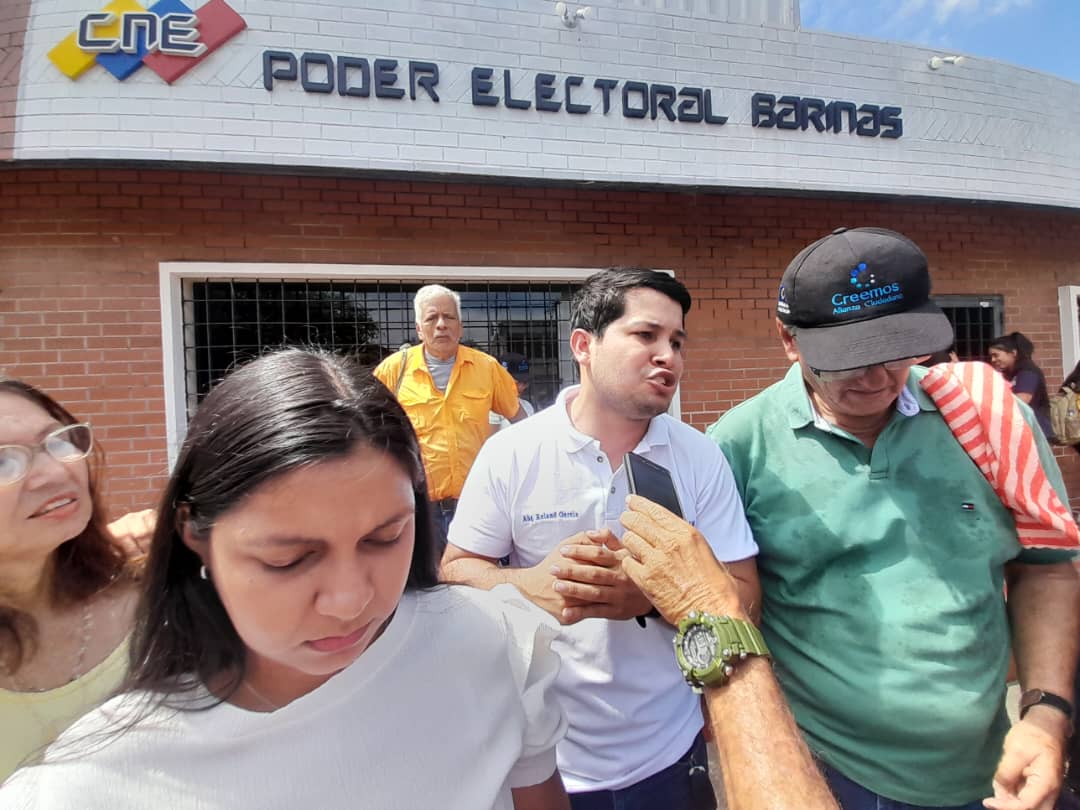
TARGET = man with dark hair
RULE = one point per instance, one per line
(602, 298)
(885, 551)
(549, 493)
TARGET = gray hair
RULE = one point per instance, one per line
(429, 293)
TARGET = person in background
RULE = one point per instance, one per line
(447, 390)
(67, 588)
(944, 356)
(1011, 355)
(517, 366)
(293, 647)
(885, 552)
(549, 495)
(1072, 382)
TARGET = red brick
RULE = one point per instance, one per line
(79, 308)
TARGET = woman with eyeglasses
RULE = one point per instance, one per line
(67, 591)
(293, 647)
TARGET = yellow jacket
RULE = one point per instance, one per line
(451, 425)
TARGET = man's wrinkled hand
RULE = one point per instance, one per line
(673, 565)
(1030, 772)
(592, 574)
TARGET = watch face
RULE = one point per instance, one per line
(699, 647)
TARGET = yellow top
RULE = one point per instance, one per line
(451, 425)
(32, 720)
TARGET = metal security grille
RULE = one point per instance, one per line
(975, 320)
(228, 322)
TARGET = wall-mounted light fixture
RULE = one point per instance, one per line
(936, 62)
(570, 18)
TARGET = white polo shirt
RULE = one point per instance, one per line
(631, 714)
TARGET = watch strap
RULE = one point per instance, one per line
(1038, 697)
(736, 639)
(749, 637)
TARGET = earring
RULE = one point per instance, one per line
(202, 572)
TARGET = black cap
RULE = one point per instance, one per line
(859, 297)
(516, 364)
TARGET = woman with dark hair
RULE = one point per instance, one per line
(1011, 355)
(67, 593)
(292, 646)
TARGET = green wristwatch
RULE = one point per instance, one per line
(708, 648)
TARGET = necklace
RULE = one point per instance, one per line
(86, 627)
(263, 698)
(84, 643)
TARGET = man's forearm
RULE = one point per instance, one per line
(478, 573)
(1044, 610)
(765, 762)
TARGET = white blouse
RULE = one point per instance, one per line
(450, 707)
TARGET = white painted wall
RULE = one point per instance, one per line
(980, 130)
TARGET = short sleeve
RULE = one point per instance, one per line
(726, 435)
(481, 523)
(504, 399)
(721, 518)
(382, 371)
(535, 665)
(1025, 382)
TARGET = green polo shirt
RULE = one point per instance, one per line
(882, 579)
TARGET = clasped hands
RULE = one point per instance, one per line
(582, 578)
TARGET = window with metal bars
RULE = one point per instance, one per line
(976, 320)
(230, 321)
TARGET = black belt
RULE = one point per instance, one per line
(446, 504)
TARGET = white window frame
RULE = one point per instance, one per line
(171, 277)
(1068, 298)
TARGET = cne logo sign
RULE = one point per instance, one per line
(174, 33)
(169, 38)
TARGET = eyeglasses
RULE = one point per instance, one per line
(68, 444)
(852, 373)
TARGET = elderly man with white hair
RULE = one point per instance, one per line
(447, 390)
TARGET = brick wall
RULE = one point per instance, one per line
(79, 254)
